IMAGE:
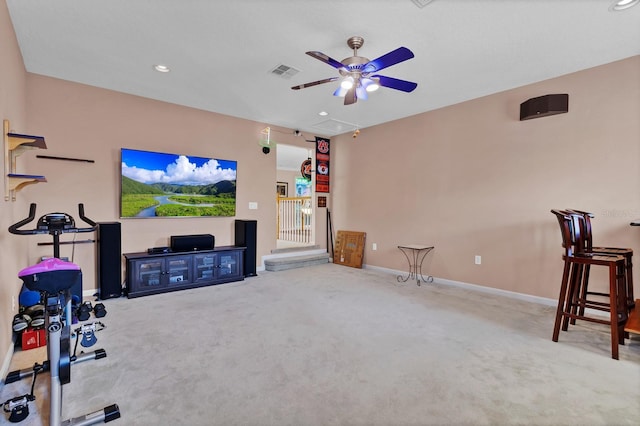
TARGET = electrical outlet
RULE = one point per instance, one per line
(478, 260)
(253, 205)
(374, 247)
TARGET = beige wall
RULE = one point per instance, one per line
(472, 179)
(12, 107)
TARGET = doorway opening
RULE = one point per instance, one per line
(294, 194)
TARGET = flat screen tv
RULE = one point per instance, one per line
(155, 184)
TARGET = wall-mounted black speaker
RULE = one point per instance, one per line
(544, 106)
(247, 236)
(192, 242)
(108, 263)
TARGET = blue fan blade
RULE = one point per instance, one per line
(395, 83)
(327, 60)
(314, 83)
(401, 54)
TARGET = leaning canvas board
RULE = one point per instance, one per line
(349, 250)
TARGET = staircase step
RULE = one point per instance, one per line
(294, 249)
(292, 262)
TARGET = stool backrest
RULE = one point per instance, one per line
(576, 231)
(586, 231)
(566, 230)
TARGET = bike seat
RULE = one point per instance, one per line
(51, 276)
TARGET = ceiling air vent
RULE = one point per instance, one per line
(284, 71)
(421, 3)
(334, 127)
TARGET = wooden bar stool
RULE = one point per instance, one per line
(570, 300)
(587, 236)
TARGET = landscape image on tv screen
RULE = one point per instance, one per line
(158, 184)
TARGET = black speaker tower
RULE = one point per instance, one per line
(108, 254)
(247, 236)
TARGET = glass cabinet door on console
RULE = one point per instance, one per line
(178, 270)
(217, 265)
(158, 272)
(229, 264)
(205, 266)
(148, 274)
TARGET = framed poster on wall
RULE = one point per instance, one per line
(282, 189)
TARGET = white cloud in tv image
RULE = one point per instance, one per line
(184, 171)
(170, 185)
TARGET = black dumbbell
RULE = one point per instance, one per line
(99, 310)
(84, 311)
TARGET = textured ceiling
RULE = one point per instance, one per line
(221, 53)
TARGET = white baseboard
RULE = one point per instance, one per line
(6, 362)
(490, 290)
(512, 294)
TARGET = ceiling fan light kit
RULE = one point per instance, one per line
(371, 84)
(357, 72)
(347, 83)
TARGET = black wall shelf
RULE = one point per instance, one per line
(69, 242)
(51, 157)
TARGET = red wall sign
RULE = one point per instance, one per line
(305, 169)
(322, 164)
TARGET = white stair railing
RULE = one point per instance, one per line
(294, 219)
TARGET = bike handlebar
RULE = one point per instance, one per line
(15, 228)
(84, 218)
(32, 215)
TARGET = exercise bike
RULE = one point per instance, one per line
(54, 278)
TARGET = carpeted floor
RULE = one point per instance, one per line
(332, 345)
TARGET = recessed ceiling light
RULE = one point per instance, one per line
(622, 5)
(323, 113)
(161, 68)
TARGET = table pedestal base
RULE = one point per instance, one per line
(415, 255)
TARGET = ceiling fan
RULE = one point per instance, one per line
(357, 72)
